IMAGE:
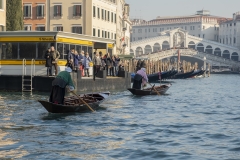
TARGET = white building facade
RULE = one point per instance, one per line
(202, 25)
(229, 31)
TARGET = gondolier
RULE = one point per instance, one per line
(140, 79)
(59, 84)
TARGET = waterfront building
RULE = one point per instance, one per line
(2, 15)
(202, 25)
(229, 31)
(95, 18)
(34, 15)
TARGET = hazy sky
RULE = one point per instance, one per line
(150, 9)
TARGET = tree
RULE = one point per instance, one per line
(14, 22)
(14, 15)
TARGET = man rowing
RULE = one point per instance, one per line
(140, 79)
(59, 84)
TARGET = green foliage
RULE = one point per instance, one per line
(14, 14)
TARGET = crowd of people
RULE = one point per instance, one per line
(82, 61)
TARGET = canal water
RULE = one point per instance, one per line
(198, 119)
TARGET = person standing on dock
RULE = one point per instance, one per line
(55, 56)
(140, 79)
(97, 63)
(59, 84)
(86, 63)
(48, 64)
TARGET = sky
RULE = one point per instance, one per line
(150, 9)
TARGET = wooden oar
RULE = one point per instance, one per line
(154, 89)
(83, 101)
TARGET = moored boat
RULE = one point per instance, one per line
(74, 104)
(150, 91)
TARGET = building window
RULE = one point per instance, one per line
(193, 27)
(112, 17)
(203, 35)
(94, 11)
(40, 28)
(102, 33)
(108, 35)
(105, 15)
(115, 36)
(111, 35)
(94, 32)
(1, 4)
(99, 33)
(27, 11)
(234, 24)
(27, 27)
(77, 10)
(1, 28)
(59, 28)
(234, 40)
(77, 29)
(199, 35)
(105, 34)
(58, 10)
(40, 10)
(98, 12)
(115, 18)
(102, 14)
(108, 16)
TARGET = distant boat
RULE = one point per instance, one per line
(150, 91)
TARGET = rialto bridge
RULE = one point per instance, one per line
(165, 45)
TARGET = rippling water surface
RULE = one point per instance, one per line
(198, 119)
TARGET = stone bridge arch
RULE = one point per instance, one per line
(235, 56)
(226, 54)
(139, 51)
(165, 45)
(218, 52)
(192, 45)
(132, 52)
(156, 47)
(200, 47)
(178, 39)
(209, 49)
(147, 49)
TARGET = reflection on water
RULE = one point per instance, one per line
(198, 119)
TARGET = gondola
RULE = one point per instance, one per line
(150, 91)
(182, 75)
(74, 104)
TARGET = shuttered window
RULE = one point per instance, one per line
(94, 32)
(98, 12)
(1, 4)
(77, 29)
(40, 11)
(102, 14)
(27, 10)
(57, 10)
(77, 10)
(59, 28)
(94, 11)
(40, 28)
